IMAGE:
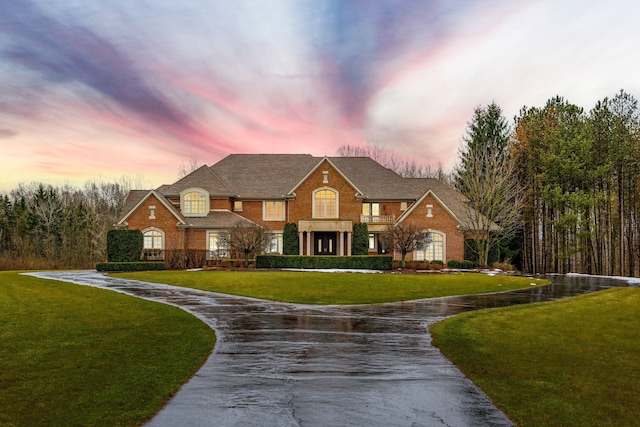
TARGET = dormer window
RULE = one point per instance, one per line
(194, 202)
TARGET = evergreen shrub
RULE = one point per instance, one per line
(130, 266)
(363, 262)
(124, 245)
(360, 242)
(290, 239)
(453, 263)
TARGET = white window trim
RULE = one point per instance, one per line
(146, 230)
(224, 250)
(238, 206)
(207, 202)
(313, 203)
(280, 236)
(264, 210)
(429, 211)
(444, 243)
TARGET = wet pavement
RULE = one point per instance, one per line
(278, 364)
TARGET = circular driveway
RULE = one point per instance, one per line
(278, 364)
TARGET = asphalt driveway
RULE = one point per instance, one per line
(279, 364)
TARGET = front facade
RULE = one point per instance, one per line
(323, 196)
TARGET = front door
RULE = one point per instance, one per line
(325, 243)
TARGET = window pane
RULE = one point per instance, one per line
(193, 203)
(274, 210)
(375, 209)
(326, 204)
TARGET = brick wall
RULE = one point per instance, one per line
(164, 220)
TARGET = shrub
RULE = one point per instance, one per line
(360, 242)
(290, 239)
(124, 245)
(454, 263)
(364, 262)
(130, 266)
(467, 265)
(436, 262)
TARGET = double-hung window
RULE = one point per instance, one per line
(273, 210)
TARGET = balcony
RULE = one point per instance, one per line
(377, 219)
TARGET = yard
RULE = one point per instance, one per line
(75, 355)
(336, 288)
(565, 363)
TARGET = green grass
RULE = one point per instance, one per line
(335, 288)
(73, 355)
(574, 362)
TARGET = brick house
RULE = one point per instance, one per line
(323, 196)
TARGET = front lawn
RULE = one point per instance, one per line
(573, 362)
(79, 356)
(335, 288)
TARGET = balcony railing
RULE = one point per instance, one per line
(378, 219)
(153, 255)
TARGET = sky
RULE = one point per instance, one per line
(106, 90)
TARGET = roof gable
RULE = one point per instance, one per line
(324, 160)
(138, 198)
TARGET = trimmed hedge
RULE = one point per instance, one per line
(363, 262)
(124, 245)
(360, 243)
(130, 266)
(290, 239)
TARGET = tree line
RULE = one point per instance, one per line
(562, 183)
(578, 174)
(42, 226)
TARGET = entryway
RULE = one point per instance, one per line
(324, 243)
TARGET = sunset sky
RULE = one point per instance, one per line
(103, 89)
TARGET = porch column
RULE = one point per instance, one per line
(301, 243)
(341, 244)
(349, 243)
(308, 243)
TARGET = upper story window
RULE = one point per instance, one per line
(194, 202)
(325, 204)
(273, 210)
(371, 209)
(237, 205)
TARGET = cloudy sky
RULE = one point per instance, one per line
(103, 89)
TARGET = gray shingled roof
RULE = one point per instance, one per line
(263, 176)
(204, 178)
(217, 219)
(374, 180)
(133, 198)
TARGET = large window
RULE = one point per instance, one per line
(194, 203)
(273, 210)
(274, 244)
(325, 204)
(432, 249)
(153, 245)
(217, 245)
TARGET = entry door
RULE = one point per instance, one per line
(325, 243)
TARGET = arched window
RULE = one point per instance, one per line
(325, 204)
(433, 248)
(194, 202)
(153, 244)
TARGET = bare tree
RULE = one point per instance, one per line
(404, 238)
(187, 167)
(486, 176)
(248, 239)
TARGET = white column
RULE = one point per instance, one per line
(300, 243)
(349, 236)
(341, 243)
(309, 243)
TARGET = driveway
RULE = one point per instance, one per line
(279, 364)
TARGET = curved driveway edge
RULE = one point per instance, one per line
(277, 364)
